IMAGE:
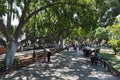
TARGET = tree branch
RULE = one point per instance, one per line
(5, 31)
(9, 15)
(46, 37)
(22, 19)
(47, 6)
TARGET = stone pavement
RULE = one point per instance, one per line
(63, 66)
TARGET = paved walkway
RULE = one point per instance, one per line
(63, 66)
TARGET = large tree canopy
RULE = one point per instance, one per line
(55, 17)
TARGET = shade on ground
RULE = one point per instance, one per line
(63, 66)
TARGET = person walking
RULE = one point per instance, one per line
(48, 54)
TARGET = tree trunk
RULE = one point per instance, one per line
(61, 43)
(11, 50)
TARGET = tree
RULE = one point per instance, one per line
(114, 40)
(24, 11)
(27, 12)
(98, 35)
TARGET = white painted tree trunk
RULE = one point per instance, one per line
(11, 50)
(61, 43)
(56, 45)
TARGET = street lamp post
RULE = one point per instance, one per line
(34, 32)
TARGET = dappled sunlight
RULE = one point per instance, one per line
(100, 75)
(106, 50)
(84, 67)
(63, 66)
(118, 57)
(17, 78)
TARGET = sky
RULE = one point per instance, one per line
(15, 20)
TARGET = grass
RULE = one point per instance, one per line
(114, 59)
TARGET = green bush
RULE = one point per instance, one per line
(118, 46)
(2, 67)
(115, 45)
(15, 61)
(115, 61)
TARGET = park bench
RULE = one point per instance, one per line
(38, 57)
(23, 59)
(108, 64)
